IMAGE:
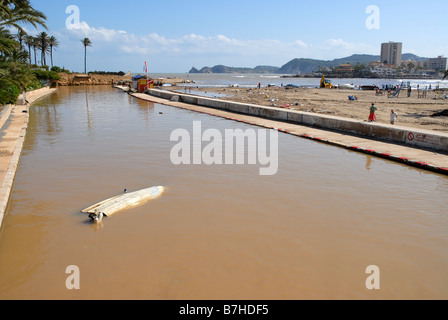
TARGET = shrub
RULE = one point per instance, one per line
(56, 69)
(46, 75)
(108, 73)
(60, 70)
(9, 93)
(36, 84)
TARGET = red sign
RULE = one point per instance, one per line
(411, 136)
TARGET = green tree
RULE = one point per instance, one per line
(359, 67)
(20, 36)
(15, 72)
(14, 13)
(446, 75)
(36, 46)
(29, 42)
(87, 43)
(7, 42)
(15, 75)
(53, 43)
(43, 46)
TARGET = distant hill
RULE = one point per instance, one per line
(412, 57)
(302, 66)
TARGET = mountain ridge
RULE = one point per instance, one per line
(302, 65)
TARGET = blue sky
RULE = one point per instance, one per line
(177, 35)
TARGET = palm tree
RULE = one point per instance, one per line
(87, 43)
(29, 42)
(7, 42)
(15, 73)
(13, 13)
(5, 12)
(446, 75)
(20, 37)
(44, 47)
(53, 43)
(36, 46)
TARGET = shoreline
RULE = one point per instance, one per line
(335, 76)
(428, 160)
(14, 125)
(413, 112)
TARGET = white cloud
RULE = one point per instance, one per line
(187, 44)
(300, 44)
(182, 52)
(349, 48)
(100, 34)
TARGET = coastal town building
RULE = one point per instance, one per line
(426, 73)
(411, 65)
(383, 70)
(391, 53)
(439, 64)
(81, 79)
(345, 68)
(141, 83)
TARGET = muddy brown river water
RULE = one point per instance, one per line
(219, 231)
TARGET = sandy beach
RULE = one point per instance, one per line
(412, 112)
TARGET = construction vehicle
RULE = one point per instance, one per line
(326, 84)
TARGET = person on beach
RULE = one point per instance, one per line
(393, 117)
(372, 116)
(24, 95)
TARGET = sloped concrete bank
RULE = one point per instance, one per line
(409, 136)
(425, 159)
(14, 124)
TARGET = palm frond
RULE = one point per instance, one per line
(7, 41)
(86, 42)
(14, 13)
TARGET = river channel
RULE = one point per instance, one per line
(220, 231)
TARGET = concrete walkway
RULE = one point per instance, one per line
(424, 159)
(13, 125)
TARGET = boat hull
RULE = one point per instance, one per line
(125, 201)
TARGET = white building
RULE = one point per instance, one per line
(391, 53)
(439, 64)
(383, 69)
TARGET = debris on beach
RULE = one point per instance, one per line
(443, 113)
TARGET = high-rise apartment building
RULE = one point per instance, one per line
(391, 53)
(439, 64)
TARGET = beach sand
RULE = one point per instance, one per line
(412, 112)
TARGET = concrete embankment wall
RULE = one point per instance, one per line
(14, 124)
(409, 136)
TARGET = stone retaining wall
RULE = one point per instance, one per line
(410, 136)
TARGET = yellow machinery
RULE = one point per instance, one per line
(326, 83)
